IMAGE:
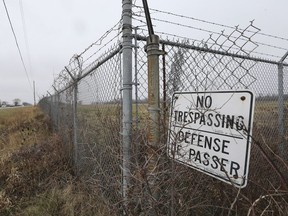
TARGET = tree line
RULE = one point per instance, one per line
(16, 102)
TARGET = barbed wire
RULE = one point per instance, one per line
(209, 22)
(105, 35)
(138, 15)
(75, 66)
(76, 63)
(105, 45)
(201, 42)
(209, 31)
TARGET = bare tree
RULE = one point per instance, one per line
(174, 82)
(17, 102)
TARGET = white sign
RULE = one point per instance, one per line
(211, 132)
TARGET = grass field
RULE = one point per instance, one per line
(36, 177)
(192, 192)
(207, 196)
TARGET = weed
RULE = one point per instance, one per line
(35, 173)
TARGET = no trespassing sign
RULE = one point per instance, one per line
(211, 132)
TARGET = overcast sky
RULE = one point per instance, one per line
(57, 29)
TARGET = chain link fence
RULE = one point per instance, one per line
(90, 125)
(186, 68)
(87, 111)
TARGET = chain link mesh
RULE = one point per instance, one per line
(219, 63)
(96, 155)
(98, 115)
(185, 68)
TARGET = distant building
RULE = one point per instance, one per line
(26, 104)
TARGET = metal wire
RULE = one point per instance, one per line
(221, 62)
(209, 22)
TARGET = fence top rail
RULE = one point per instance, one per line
(89, 69)
(93, 66)
(203, 49)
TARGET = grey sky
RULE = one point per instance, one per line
(58, 29)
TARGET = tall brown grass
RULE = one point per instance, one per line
(35, 174)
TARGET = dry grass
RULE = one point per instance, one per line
(36, 177)
(183, 191)
(21, 127)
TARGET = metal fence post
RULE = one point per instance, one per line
(75, 155)
(74, 123)
(281, 119)
(58, 111)
(153, 53)
(127, 96)
(57, 107)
